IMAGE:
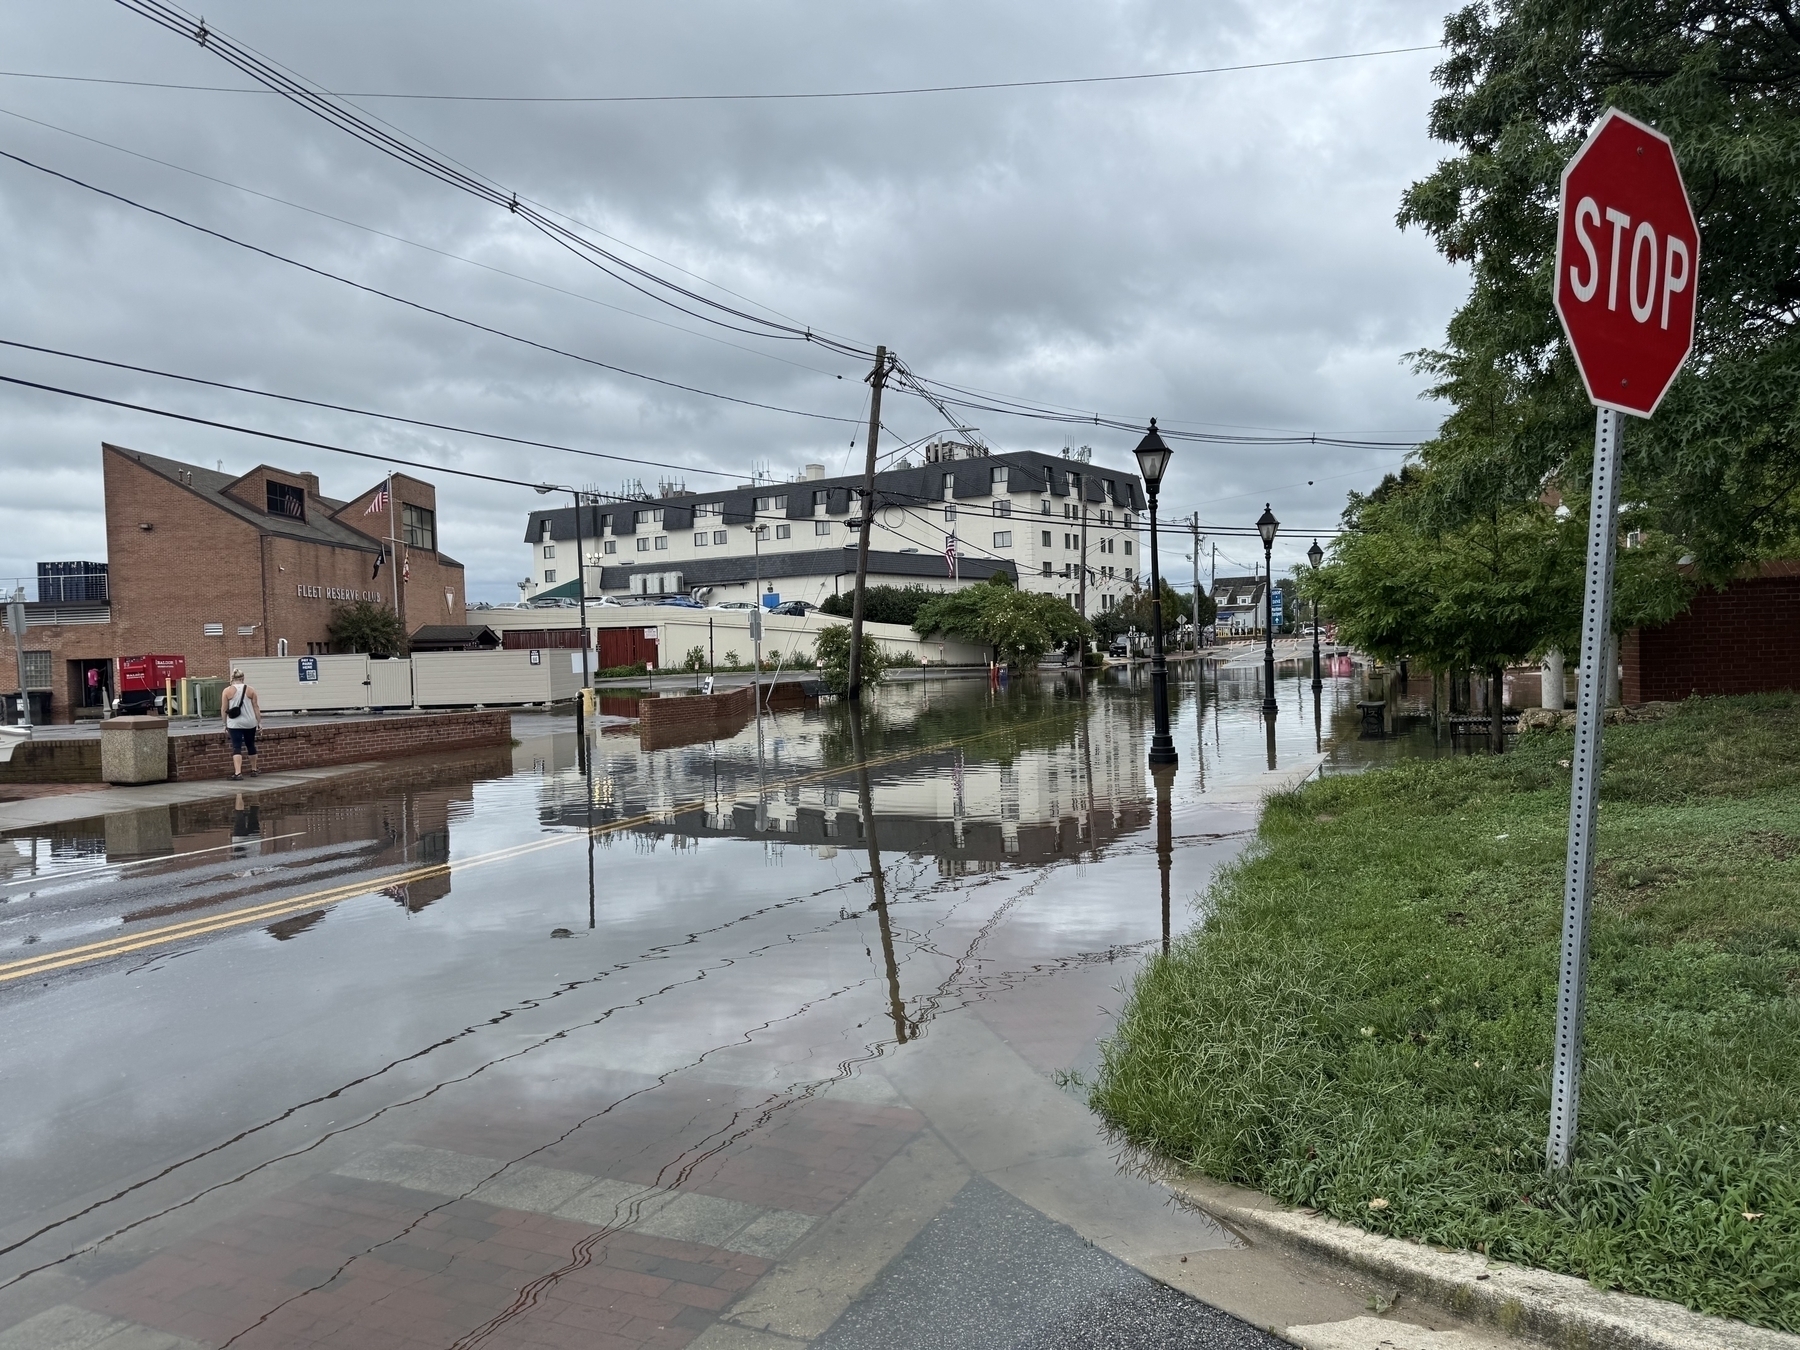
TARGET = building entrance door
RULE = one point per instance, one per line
(90, 687)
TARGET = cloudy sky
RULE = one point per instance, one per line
(1217, 251)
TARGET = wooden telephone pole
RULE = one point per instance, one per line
(877, 378)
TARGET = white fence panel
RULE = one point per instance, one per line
(342, 682)
(390, 684)
(462, 679)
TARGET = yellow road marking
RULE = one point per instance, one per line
(191, 928)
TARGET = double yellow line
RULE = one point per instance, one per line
(126, 943)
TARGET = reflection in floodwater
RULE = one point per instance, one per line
(1165, 851)
(302, 1074)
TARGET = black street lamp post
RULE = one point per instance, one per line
(1266, 525)
(1316, 555)
(1153, 460)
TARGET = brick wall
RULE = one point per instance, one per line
(658, 713)
(53, 762)
(349, 741)
(1744, 639)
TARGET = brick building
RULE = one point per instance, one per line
(213, 566)
(1742, 639)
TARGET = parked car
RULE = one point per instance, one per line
(797, 609)
(733, 604)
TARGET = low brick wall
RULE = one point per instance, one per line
(59, 761)
(350, 741)
(658, 714)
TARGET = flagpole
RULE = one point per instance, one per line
(393, 547)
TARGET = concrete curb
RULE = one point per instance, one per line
(1558, 1310)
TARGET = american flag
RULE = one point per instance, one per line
(950, 552)
(380, 503)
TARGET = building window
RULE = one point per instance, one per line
(643, 545)
(820, 498)
(549, 551)
(771, 504)
(37, 670)
(1068, 571)
(1044, 506)
(549, 575)
(997, 478)
(284, 499)
(612, 545)
(543, 533)
(950, 513)
(1128, 520)
(949, 485)
(1047, 544)
(1003, 508)
(718, 536)
(1128, 547)
(700, 539)
(708, 509)
(419, 526)
(662, 541)
(762, 531)
(1046, 569)
(1128, 576)
(649, 517)
(784, 531)
(1002, 538)
(821, 527)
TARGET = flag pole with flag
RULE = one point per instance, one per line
(950, 553)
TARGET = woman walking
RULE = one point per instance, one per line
(242, 713)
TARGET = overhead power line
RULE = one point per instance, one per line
(363, 412)
(412, 304)
(413, 243)
(799, 95)
(321, 103)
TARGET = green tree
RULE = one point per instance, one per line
(1020, 626)
(1134, 612)
(1717, 468)
(1494, 591)
(882, 604)
(833, 654)
(366, 627)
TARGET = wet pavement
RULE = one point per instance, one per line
(764, 1040)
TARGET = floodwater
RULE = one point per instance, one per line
(566, 1045)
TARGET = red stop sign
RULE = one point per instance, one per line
(1627, 254)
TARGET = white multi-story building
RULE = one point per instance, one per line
(1050, 520)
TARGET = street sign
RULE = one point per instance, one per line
(1275, 607)
(1627, 259)
(1627, 254)
(309, 669)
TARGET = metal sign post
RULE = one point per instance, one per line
(1627, 259)
(1584, 793)
(15, 620)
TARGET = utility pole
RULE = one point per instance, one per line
(1196, 591)
(877, 377)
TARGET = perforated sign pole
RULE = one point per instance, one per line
(1584, 792)
(1627, 255)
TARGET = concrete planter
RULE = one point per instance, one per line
(134, 750)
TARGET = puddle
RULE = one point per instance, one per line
(601, 1037)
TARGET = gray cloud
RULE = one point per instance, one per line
(1217, 251)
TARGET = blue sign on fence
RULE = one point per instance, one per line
(1275, 607)
(309, 670)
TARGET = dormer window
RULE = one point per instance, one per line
(284, 499)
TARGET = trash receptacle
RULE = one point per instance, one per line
(134, 750)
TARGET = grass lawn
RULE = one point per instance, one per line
(1362, 1024)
